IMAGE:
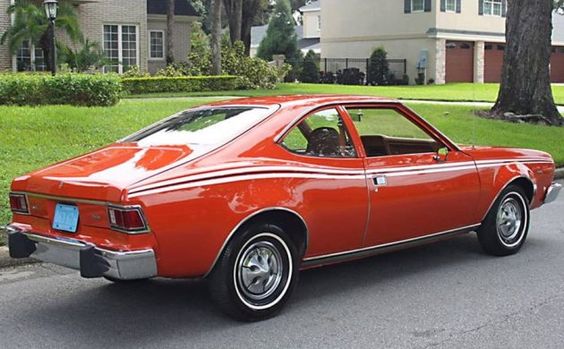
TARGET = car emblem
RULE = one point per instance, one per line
(96, 217)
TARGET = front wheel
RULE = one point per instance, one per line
(505, 228)
(256, 273)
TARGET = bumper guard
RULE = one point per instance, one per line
(552, 192)
(90, 260)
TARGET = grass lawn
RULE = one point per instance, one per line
(449, 92)
(35, 137)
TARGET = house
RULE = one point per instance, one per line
(443, 40)
(131, 32)
(308, 33)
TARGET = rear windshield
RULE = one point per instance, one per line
(201, 128)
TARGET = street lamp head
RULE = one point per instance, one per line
(51, 9)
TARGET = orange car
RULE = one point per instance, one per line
(245, 193)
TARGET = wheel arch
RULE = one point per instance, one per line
(289, 220)
(524, 182)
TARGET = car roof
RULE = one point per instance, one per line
(306, 100)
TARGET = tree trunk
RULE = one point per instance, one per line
(234, 11)
(216, 37)
(170, 17)
(525, 84)
(248, 13)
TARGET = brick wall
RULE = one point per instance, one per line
(5, 57)
(93, 16)
(181, 39)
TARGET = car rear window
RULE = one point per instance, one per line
(202, 127)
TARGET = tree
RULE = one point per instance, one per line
(255, 12)
(216, 37)
(310, 71)
(170, 19)
(525, 84)
(31, 24)
(378, 68)
(280, 36)
(234, 11)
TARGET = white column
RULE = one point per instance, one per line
(479, 61)
(440, 61)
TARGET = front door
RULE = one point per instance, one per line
(415, 190)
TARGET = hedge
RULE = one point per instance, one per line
(74, 89)
(158, 84)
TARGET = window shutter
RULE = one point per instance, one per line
(504, 8)
(443, 5)
(407, 6)
(481, 8)
(428, 5)
(458, 6)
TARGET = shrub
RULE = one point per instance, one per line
(378, 67)
(158, 84)
(253, 72)
(327, 77)
(310, 70)
(88, 58)
(134, 71)
(350, 76)
(74, 89)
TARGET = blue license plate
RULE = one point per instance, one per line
(66, 218)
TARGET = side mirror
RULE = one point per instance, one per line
(442, 154)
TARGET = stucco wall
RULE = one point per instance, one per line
(93, 16)
(310, 24)
(371, 19)
(470, 20)
(181, 39)
(5, 57)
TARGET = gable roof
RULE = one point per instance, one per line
(312, 6)
(181, 8)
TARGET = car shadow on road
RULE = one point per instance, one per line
(150, 312)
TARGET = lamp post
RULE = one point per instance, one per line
(51, 12)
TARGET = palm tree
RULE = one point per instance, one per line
(31, 24)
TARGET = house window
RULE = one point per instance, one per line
(121, 47)
(30, 58)
(417, 5)
(156, 44)
(450, 5)
(318, 22)
(493, 7)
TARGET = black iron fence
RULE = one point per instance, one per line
(352, 71)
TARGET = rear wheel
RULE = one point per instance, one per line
(256, 273)
(505, 228)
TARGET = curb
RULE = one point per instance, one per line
(7, 261)
(559, 173)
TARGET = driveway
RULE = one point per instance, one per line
(445, 295)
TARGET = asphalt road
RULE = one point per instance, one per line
(445, 295)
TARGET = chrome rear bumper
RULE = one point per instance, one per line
(552, 192)
(90, 260)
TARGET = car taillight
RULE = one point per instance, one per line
(127, 219)
(18, 203)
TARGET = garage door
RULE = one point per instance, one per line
(557, 65)
(493, 62)
(459, 61)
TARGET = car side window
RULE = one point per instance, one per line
(322, 134)
(384, 132)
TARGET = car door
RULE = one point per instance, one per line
(419, 182)
(332, 194)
